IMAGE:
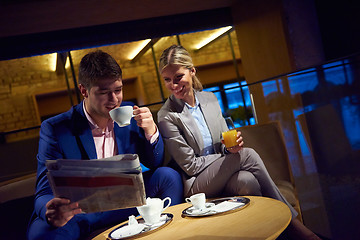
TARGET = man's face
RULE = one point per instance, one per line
(102, 98)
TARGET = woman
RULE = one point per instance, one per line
(191, 124)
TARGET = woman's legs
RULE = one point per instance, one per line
(219, 176)
(298, 231)
(242, 183)
(214, 179)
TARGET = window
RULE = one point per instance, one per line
(232, 97)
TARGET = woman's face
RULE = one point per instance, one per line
(178, 80)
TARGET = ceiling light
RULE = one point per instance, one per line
(67, 64)
(52, 61)
(212, 37)
(138, 48)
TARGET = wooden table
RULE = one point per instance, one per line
(264, 218)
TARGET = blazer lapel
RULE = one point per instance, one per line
(209, 116)
(83, 132)
(189, 122)
(88, 144)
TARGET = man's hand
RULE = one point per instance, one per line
(145, 120)
(60, 210)
(238, 147)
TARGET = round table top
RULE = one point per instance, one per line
(263, 218)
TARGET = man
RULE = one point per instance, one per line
(86, 131)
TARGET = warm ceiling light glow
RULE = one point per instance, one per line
(67, 63)
(52, 61)
(212, 37)
(138, 48)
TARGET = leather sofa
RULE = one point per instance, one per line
(268, 141)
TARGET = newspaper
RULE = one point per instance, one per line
(99, 184)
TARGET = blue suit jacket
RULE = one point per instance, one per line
(68, 136)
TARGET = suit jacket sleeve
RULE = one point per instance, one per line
(150, 155)
(156, 151)
(131, 139)
(48, 149)
(65, 136)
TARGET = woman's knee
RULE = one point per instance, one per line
(249, 184)
(250, 152)
(243, 183)
(250, 155)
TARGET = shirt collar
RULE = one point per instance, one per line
(93, 125)
(196, 104)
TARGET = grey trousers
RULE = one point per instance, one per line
(238, 174)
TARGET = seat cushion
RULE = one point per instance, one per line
(288, 191)
(18, 188)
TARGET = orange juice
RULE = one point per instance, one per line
(230, 138)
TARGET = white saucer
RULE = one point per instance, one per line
(124, 231)
(218, 206)
(155, 225)
(127, 231)
(194, 211)
(163, 220)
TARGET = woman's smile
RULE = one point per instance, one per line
(178, 80)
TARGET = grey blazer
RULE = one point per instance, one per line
(183, 138)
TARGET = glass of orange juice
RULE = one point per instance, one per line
(231, 135)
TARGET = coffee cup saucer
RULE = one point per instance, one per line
(162, 221)
(127, 231)
(193, 211)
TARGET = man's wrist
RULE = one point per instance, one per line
(152, 137)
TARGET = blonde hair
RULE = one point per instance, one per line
(178, 55)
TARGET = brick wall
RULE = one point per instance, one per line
(21, 79)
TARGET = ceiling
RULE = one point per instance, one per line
(37, 27)
(18, 17)
(32, 27)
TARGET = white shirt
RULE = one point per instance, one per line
(201, 123)
(105, 143)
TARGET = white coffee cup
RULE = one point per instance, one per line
(122, 115)
(197, 200)
(151, 212)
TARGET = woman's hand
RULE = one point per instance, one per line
(145, 120)
(60, 210)
(238, 147)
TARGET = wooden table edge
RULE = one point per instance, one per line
(106, 232)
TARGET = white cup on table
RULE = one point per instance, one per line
(197, 200)
(151, 212)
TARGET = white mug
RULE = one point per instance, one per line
(197, 200)
(122, 115)
(151, 212)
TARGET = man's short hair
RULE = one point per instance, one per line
(96, 66)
